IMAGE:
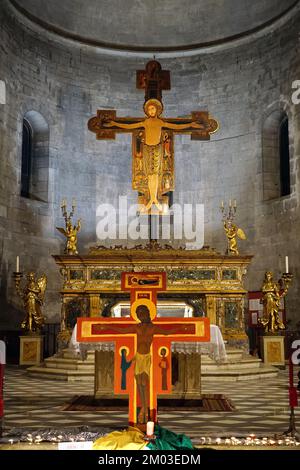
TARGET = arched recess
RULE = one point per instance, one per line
(35, 157)
(276, 156)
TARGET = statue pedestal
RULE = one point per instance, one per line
(273, 350)
(31, 350)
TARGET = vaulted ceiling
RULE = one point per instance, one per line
(153, 24)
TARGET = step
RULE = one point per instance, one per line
(243, 364)
(69, 364)
(60, 374)
(246, 374)
(71, 354)
(234, 351)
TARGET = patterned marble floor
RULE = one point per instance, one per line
(261, 407)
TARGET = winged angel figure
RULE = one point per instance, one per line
(70, 232)
(33, 298)
(232, 231)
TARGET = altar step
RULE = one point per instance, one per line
(67, 367)
(239, 366)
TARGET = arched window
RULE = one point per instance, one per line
(35, 157)
(284, 150)
(26, 158)
(276, 156)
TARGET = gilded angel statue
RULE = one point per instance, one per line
(33, 298)
(232, 231)
(272, 292)
(70, 232)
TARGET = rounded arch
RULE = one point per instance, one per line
(276, 154)
(35, 156)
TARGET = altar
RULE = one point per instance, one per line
(209, 283)
(187, 355)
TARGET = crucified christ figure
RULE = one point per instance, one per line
(153, 143)
(145, 330)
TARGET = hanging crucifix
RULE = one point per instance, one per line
(153, 139)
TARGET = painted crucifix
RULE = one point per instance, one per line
(144, 339)
(153, 139)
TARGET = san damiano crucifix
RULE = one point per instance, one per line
(153, 139)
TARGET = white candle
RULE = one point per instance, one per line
(17, 264)
(286, 264)
(150, 428)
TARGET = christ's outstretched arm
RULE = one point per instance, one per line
(121, 125)
(183, 329)
(117, 328)
(170, 125)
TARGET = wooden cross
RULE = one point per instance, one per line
(153, 142)
(153, 80)
(142, 344)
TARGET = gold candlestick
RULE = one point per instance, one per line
(70, 231)
(231, 229)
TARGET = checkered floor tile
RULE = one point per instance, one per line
(261, 407)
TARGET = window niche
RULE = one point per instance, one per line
(276, 156)
(35, 157)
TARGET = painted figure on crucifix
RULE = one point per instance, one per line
(125, 364)
(164, 366)
(155, 147)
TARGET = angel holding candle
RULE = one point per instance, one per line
(33, 298)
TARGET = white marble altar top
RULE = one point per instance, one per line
(215, 348)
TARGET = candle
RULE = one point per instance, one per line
(74, 202)
(286, 264)
(150, 428)
(17, 264)
(229, 202)
(222, 204)
(234, 203)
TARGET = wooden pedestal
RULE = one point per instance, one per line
(273, 350)
(31, 350)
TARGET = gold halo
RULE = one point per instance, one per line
(151, 305)
(126, 349)
(156, 103)
(163, 347)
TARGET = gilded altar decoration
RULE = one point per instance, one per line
(232, 231)
(272, 293)
(70, 231)
(153, 173)
(33, 298)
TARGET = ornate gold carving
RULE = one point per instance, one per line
(273, 352)
(232, 230)
(272, 293)
(33, 295)
(30, 351)
(70, 231)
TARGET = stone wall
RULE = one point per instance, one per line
(66, 83)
